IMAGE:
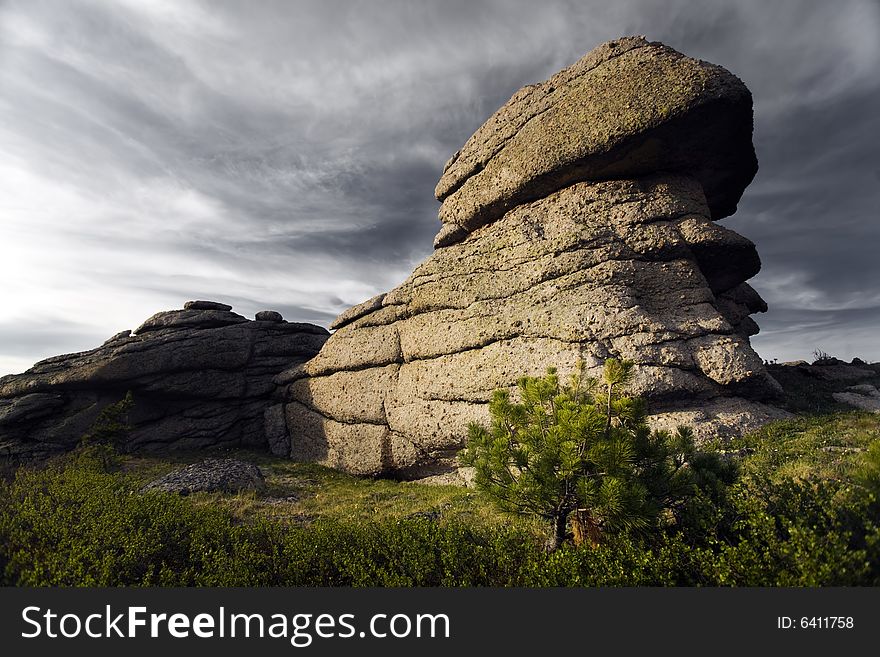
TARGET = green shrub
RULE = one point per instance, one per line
(413, 552)
(586, 449)
(797, 533)
(74, 523)
(111, 427)
(108, 434)
(867, 471)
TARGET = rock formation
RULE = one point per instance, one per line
(211, 476)
(200, 377)
(864, 396)
(829, 384)
(578, 223)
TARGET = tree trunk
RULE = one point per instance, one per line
(560, 527)
(585, 528)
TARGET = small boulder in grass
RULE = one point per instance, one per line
(211, 476)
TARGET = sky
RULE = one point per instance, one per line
(283, 155)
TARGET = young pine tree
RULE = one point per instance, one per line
(111, 427)
(584, 451)
(564, 449)
(108, 433)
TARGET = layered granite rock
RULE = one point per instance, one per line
(626, 109)
(578, 224)
(200, 377)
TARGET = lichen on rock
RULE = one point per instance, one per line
(578, 224)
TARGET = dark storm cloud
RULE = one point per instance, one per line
(284, 154)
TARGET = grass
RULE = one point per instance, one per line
(804, 511)
(302, 493)
(793, 519)
(826, 447)
(818, 447)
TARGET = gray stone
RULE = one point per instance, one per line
(28, 407)
(592, 271)
(865, 397)
(268, 316)
(626, 109)
(358, 311)
(119, 336)
(841, 449)
(200, 378)
(206, 305)
(211, 476)
(191, 317)
(276, 430)
(463, 477)
(839, 372)
(578, 224)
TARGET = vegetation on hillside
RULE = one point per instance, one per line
(585, 450)
(799, 505)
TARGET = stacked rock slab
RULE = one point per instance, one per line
(578, 224)
(200, 377)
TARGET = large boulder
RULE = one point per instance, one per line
(577, 225)
(200, 377)
(626, 109)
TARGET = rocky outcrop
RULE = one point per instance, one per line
(211, 476)
(200, 377)
(864, 397)
(578, 224)
(627, 109)
(828, 385)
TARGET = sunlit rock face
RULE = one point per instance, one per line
(578, 223)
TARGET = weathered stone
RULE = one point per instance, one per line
(358, 311)
(206, 305)
(268, 316)
(28, 407)
(816, 388)
(839, 372)
(460, 477)
(627, 109)
(865, 397)
(577, 225)
(275, 426)
(210, 476)
(373, 345)
(352, 397)
(193, 317)
(200, 378)
(118, 336)
(736, 304)
(723, 418)
(358, 448)
(570, 277)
